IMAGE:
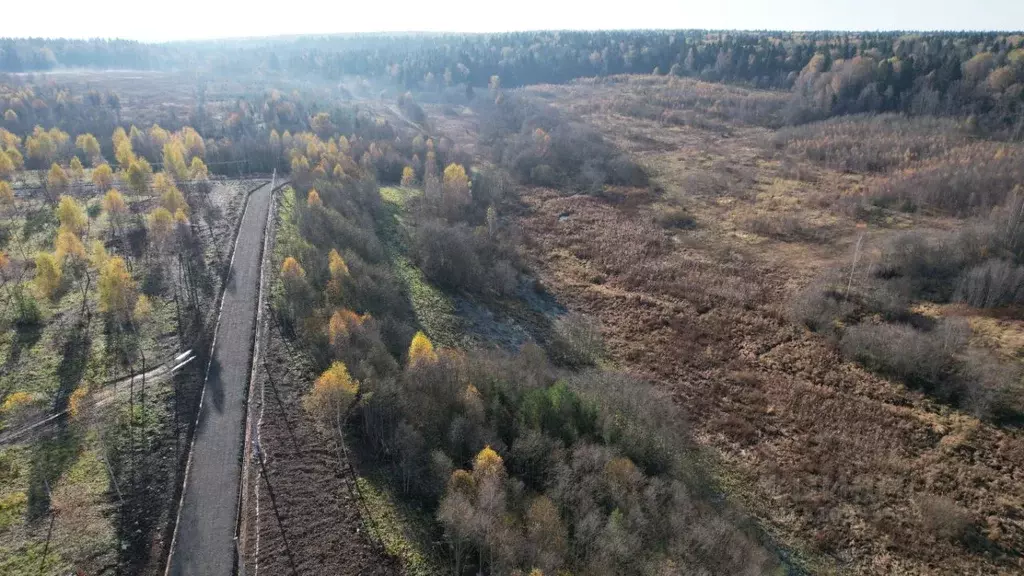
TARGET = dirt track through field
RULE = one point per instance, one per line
(204, 535)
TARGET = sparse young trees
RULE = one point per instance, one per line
(70, 215)
(90, 148)
(160, 223)
(116, 208)
(57, 181)
(143, 308)
(174, 160)
(103, 176)
(117, 289)
(77, 170)
(455, 190)
(48, 274)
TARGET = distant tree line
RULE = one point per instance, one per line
(961, 73)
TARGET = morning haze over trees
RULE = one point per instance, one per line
(625, 302)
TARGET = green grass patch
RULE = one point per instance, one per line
(405, 532)
(399, 196)
(435, 310)
(27, 560)
(12, 509)
(83, 534)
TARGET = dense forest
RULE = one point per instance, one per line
(971, 74)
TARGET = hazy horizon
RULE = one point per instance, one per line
(192, 20)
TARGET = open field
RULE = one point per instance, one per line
(692, 284)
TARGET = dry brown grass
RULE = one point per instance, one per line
(871, 143)
(833, 460)
(828, 455)
(965, 180)
(688, 102)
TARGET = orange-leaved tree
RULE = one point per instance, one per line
(408, 176)
(313, 199)
(296, 292)
(292, 271)
(341, 325)
(339, 272)
(332, 395)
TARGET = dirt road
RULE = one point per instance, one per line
(203, 541)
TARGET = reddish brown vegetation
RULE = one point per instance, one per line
(830, 456)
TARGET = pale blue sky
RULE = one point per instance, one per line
(153, 20)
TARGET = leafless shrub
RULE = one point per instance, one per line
(966, 180)
(928, 267)
(924, 359)
(991, 388)
(539, 145)
(675, 218)
(577, 340)
(819, 306)
(943, 518)
(447, 256)
(992, 284)
(788, 228)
